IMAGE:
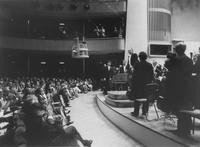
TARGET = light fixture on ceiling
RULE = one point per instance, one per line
(43, 62)
(61, 24)
(86, 6)
(61, 63)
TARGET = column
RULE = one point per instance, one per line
(136, 26)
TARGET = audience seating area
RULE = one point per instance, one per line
(53, 95)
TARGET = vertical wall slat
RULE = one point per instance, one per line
(159, 20)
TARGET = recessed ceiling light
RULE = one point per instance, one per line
(62, 24)
(43, 62)
(61, 62)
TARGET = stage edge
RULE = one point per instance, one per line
(142, 134)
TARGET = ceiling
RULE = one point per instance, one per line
(63, 9)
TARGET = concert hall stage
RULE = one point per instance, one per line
(152, 131)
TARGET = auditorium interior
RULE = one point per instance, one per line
(100, 73)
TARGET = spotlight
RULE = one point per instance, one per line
(86, 6)
(73, 7)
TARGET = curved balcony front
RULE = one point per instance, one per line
(95, 46)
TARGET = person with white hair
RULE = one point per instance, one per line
(178, 88)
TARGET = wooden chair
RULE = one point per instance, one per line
(153, 93)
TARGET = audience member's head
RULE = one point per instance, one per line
(39, 91)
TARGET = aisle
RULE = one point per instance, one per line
(93, 125)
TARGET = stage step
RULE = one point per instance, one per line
(117, 95)
(121, 103)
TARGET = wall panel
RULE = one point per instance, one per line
(159, 20)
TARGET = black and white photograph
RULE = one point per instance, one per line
(100, 73)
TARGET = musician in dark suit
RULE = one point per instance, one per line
(143, 74)
(107, 74)
(178, 87)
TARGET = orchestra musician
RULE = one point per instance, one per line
(178, 87)
(143, 74)
(107, 75)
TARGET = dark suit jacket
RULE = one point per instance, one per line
(142, 75)
(178, 83)
(108, 72)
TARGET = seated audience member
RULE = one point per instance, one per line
(178, 86)
(143, 74)
(102, 32)
(2, 100)
(115, 32)
(76, 89)
(51, 93)
(44, 131)
(97, 31)
(88, 82)
(43, 100)
(64, 95)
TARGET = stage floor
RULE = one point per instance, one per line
(162, 125)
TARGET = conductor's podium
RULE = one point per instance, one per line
(118, 99)
(120, 81)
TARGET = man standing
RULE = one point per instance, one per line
(143, 74)
(107, 76)
(181, 92)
